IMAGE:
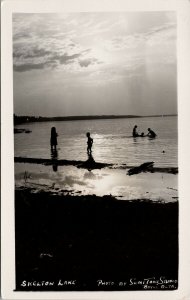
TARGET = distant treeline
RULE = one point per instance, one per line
(29, 119)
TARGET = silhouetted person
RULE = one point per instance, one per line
(89, 143)
(151, 133)
(53, 139)
(90, 157)
(142, 134)
(135, 133)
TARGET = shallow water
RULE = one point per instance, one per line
(113, 142)
(69, 179)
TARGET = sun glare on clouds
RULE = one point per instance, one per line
(83, 51)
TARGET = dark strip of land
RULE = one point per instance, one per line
(27, 119)
(89, 164)
(90, 238)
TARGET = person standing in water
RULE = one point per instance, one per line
(151, 133)
(135, 133)
(89, 143)
(53, 139)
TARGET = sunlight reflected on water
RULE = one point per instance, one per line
(156, 186)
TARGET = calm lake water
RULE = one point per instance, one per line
(113, 142)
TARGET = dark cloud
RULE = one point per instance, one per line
(28, 67)
(53, 60)
(85, 62)
(89, 61)
(39, 53)
(50, 58)
(32, 54)
(65, 59)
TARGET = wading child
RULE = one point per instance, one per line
(89, 143)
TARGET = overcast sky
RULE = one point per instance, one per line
(94, 63)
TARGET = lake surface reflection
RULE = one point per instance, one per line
(70, 180)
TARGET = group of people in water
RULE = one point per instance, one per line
(53, 139)
(150, 133)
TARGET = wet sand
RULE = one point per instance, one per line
(89, 239)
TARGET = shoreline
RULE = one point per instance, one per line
(89, 164)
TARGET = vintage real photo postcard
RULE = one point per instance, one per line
(94, 150)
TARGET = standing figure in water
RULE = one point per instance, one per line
(53, 139)
(151, 133)
(89, 143)
(135, 133)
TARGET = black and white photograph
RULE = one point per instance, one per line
(95, 121)
(95, 137)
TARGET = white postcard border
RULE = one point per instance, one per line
(182, 7)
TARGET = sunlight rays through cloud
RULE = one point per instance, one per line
(85, 51)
